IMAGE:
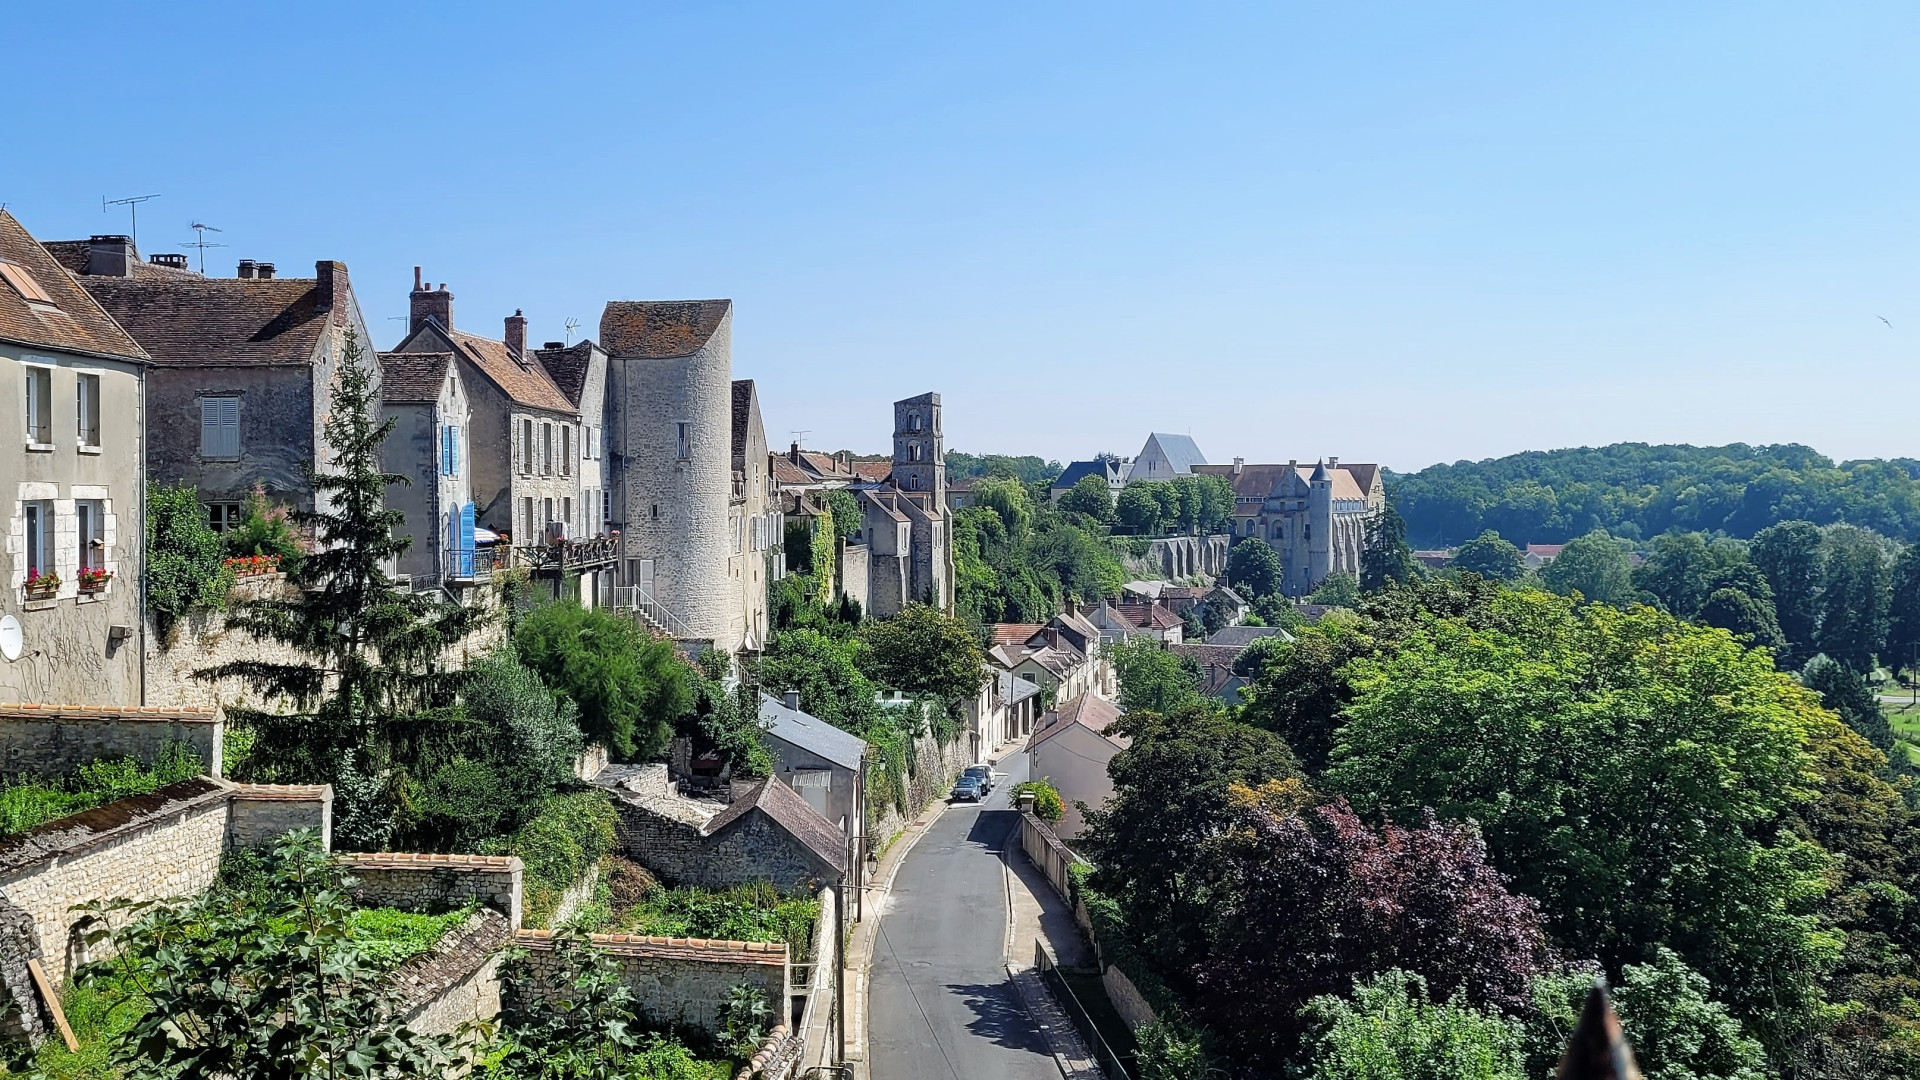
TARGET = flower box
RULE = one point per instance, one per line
(246, 566)
(94, 581)
(41, 586)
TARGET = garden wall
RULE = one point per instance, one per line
(935, 767)
(260, 813)
(681, 980)
(416, 882)
(1046, 852)
(458, 981)
(53, 740)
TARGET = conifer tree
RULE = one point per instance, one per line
(1385, 557)
(370, 680)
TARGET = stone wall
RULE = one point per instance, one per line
(53, 740)
(1127, 999)
(576, 896)
(458, 980)
(670, 848)
(681, 980)
(934, 769)
(414, 882)
(591, 762)
(1053, 858)
(752, 849)
(260, 813)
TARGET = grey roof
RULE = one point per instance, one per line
(1021, 689)
(1079, 469)
(813, 734)
(1243, 636)
(1181, 451)
(791, 813)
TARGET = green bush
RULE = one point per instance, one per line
(754, 912)
(184, 556)
(569, 835)
(1047, 804)
(1390, 1030)
(629, 686)
(30, 802)
(264, 529)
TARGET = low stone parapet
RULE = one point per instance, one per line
(681, 980)
(417, 882)
(53, 740)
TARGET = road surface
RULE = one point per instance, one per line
(941, 1007)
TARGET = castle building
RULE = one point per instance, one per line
(1314, 517)
(906, 524)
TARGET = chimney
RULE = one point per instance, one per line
(169, 259)
(330, 287)
(793, 455)
(1333, 463)
(111, 255)
(263, 271)
(1072, 608)
(247, 271)
(553, 345)
(791, 699)
(516, 337)
(1239, 465)
(424, 304)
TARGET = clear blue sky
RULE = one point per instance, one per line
(1405, 233)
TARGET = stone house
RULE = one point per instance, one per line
(825, 766)
(1004, 710)
(1314, 518)
(73, 484)
(755, 516)
(1112, 470)
(907, 526)
(1062, 656)
(243, 367)
(767, 833)
(1154, 619)
(1535, 556)
(580, 371)
(423, 395)
(524, 434)
(1071, 748)
(1164, 457)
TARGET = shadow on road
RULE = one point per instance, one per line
(995, 829)
(998, 1015)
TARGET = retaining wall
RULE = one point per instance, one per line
(415, 882)
(259, 813)
(53, 740)
(935, 768)
(680, 980)
(1045, 851)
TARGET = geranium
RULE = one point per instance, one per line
(94, 579)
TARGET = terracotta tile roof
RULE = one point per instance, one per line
(875, 471)
(413, 378)
(823, 464)
(1015, 633)
(1545, 551)
(788, 810)
(284, 792)
(524, 383)
(1260, 481)
(660, 329)
(714, 949)
(185, 714)
(415, 860)
(1088, 711)
(786, 472)
(73, 255)
(74, 322)
(239, 321)
(567, 368)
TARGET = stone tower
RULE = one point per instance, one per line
(919, 450)
(1319, 523)
(669, 440)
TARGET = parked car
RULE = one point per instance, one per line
(966, 789)
(982, 773)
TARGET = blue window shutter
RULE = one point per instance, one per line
(453, 452)
(466, 539)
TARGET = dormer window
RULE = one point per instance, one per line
(24, 284)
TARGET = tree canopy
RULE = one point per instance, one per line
(629, 685)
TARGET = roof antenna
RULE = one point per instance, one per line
(572, 325)
(203, 243)
(132, 203)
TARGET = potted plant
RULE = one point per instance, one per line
(41, 585)
(93, 581)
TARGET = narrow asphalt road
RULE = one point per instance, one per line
(940, 1004)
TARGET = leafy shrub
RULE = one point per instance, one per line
(753, 912)
(744, 1020)
(28, 803)
(628, 685)
(1047, 805)
(1390, 1030)
(567, 837)
(184, 556)
(264, 531)
(388, 937)
(1167, 1051)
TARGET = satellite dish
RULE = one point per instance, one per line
(10, 637)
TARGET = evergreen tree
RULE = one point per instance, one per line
(1386, 558)
(1789, 555)
(1903, 622)
(370, 681)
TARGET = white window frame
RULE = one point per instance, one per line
(90, 527)
(36, 552)
(39, 405)
(86, 407)
(526, 446)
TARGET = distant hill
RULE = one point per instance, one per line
(1639, 491)
(1030, 469)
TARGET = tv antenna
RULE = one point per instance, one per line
(572, 325)
(801, 437)
(132, 203)
(203, 243)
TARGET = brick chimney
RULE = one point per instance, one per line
(791, 699)
(330, 286)
(516, 336)
(111, 255)
(424, 304)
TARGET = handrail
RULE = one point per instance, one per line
(637, 599)
(1083, 1020)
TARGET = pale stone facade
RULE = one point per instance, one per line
(1315, 516)
(907, 526)
(427, 402)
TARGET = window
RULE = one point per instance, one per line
(566, 450)
(526, 449)
(546, 452)
(592, 446)
(40, 406)
(681, 431)
(220, 427)
(39, 520)
(93, 534)
(16, 275)
(450, 450)
(914, 421)
(566, 512)
(87, 405)
(606, 511)
(528, 528)
(223, 516)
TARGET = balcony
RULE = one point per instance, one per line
(468, 565)
(565, 555)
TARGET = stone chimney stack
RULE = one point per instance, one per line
(263, 271)
(516, 337)
(248, 270)
(425, 303)
(791, 699)
(330, 286)
(111, 255)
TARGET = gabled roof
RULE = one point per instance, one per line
(413, 378)
(1180, 450)
(1260, 481)
(567, 367)
(786, 472)
(812, 734)
(524, 382)
(1075, 471)
(191, 320)
(660, 329)
(873, 471)
(1094, 713)
(792, 814)
(1015, 633)
(1243, 636)
(72, 321)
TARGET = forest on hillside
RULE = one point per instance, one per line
(1637, 491)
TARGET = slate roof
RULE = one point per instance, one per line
(659, 329)
(1243, 636)
(1075, 471)
(523, 383)
(788, 810)
(77, 324)
(1088, 711)
(413, 378)
(567, 368)
(812, 734)
(249, 322)
(1180, 450)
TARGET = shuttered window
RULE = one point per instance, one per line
(219, 427)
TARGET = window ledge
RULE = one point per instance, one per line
(39, 447)
(88, 448)
(40, 605)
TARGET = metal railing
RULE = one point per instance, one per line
(570, 554)
(1103, 1055)
(477, 564)
(636, 599)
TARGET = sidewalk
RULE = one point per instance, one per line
(1036, 913)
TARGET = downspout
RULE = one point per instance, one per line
(140, 492)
